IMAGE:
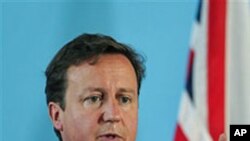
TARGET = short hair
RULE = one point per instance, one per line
(80, 50)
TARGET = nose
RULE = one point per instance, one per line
(111, 111)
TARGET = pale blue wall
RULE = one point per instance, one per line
(1, 74)
(34, 32)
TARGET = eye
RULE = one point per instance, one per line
(93, 100)
(125, 100)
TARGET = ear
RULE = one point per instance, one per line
(56, 115)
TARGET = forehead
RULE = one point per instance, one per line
(109, 64)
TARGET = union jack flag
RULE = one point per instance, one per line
(217, 91)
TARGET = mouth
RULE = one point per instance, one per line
(110, 137)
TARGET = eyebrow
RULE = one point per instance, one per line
(91, 89)
(102, 90)
(126, 90)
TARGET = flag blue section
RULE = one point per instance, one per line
(198, 15)
(189, 83)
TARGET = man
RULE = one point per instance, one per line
(92, 90)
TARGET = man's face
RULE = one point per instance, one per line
(101, 101)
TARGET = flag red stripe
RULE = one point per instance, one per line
(179, 135)
(216, 67)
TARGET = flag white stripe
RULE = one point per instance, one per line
(238, 62)
(200, 67)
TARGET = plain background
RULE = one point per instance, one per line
(32, 32)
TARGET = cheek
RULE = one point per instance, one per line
(132, 122)
(81, 124)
